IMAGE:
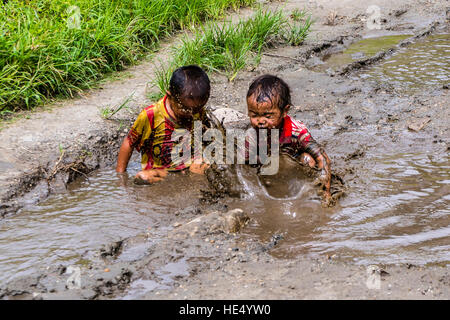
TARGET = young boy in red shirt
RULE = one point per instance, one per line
(268, 102)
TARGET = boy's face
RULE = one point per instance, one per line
(184, 108)
(264, 115)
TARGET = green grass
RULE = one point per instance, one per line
(297, 15)
(55, 48)
(299, 30)
(229, 47)
(107, 112)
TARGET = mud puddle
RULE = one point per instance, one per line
(424, 63)
(362, 49)
(95, 212)
(401, 216)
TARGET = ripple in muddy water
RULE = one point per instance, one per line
(425, 63)
(402, 215)
(105, 209)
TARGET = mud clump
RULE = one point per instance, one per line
(399, 12)
(223, 181)
(112, 250)
(355, 155)
(418, 124)
(115, 283)
(20, 287)
(213, 223)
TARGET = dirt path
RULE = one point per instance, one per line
(354, 120)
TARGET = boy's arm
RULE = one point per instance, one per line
(132, 141)
(124, 156)
(323, 163)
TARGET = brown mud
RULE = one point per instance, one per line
(385, 145)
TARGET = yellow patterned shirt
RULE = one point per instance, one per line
(152, 136)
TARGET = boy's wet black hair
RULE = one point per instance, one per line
(272, 88)
(190, 82)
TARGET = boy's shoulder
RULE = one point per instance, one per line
(152, 110)
(294, 127)
(155, 107)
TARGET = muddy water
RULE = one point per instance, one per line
(401, 214)
(362, 49)
(105, 209)
(425, 63)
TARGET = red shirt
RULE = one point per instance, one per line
(294, 139)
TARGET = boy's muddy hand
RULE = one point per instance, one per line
(327, 200)
(324, 183)
(198, 168)
(150, 176)
(123, 178)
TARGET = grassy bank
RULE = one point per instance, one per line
(54, 48)
(229, 47)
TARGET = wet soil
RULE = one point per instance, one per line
(389, 146)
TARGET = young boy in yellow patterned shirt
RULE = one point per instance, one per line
(152, 132)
